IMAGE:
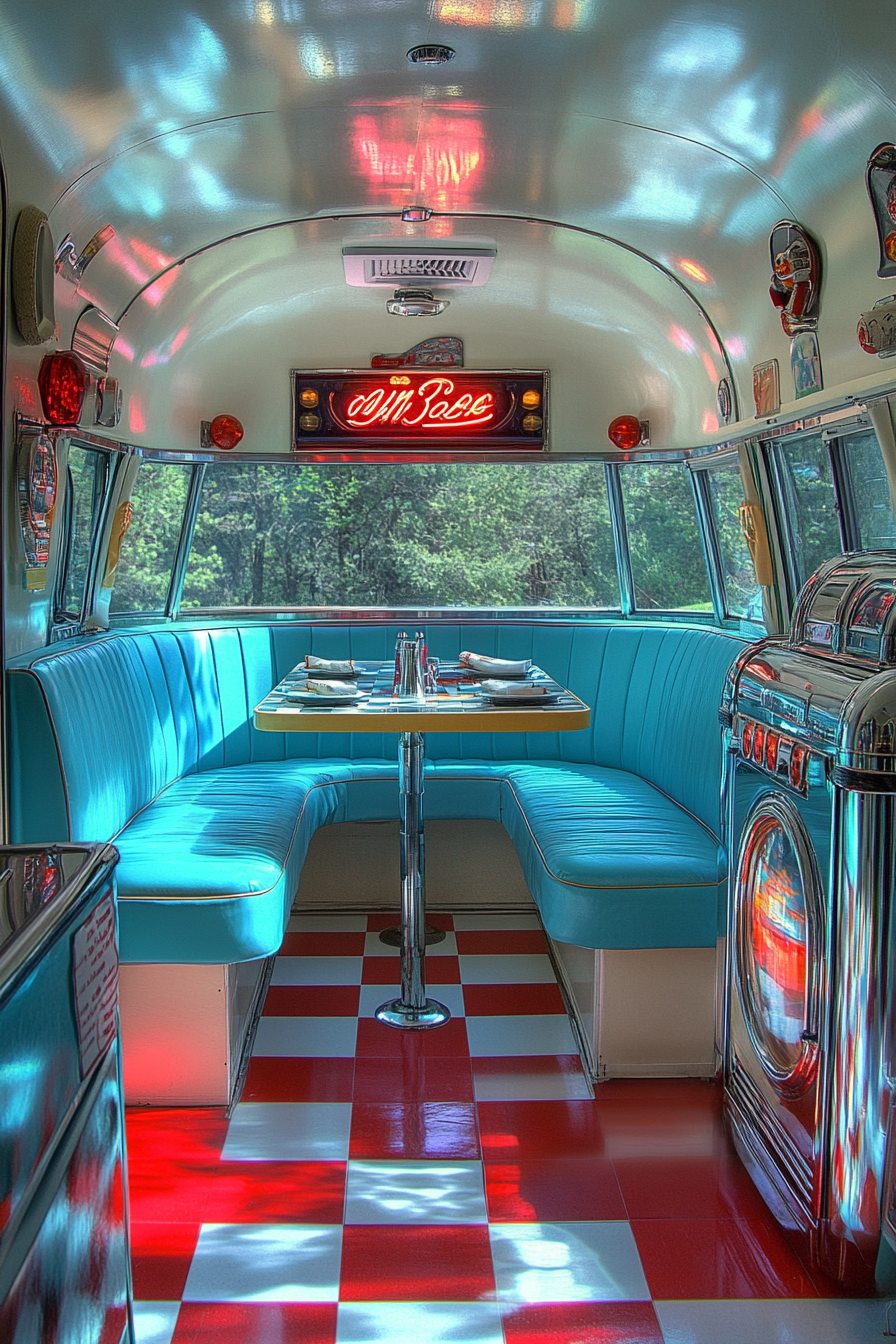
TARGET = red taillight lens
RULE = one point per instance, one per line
(758, 743)
(62, 381)
(747, 740)
(772, 742)
(226, 431)
(865, 340)
(625, 431)
(798, 766)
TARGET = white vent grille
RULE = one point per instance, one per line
(366, 266)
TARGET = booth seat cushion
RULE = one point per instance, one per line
(611, 861)
(209, 869)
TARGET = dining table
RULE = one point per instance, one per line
(458, 701)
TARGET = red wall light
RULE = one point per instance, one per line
(226, 431)
(625, 431)
(62, 381)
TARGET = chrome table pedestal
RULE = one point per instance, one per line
(413, 1010)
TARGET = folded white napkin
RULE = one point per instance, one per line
(328, 687)
(315, 664)
(481, 662)
(524, 689)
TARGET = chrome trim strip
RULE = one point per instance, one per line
(620, 539)
(184, 542)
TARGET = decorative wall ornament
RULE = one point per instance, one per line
(33, 275)
(725, 401)
(796, 276)
(437, 352)
(36, 472)
(805, 363)
(766, 388)
(877, 328)
(880, 179)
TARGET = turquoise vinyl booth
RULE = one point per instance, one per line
(147, 738)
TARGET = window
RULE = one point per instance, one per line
(725, 491)
(872, 508)
(808, 503)
(85, 487)
(668, 566)
(429, 534)
(150, 544)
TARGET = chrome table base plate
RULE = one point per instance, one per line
(405, 1015)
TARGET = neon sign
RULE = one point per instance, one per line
(419, 410)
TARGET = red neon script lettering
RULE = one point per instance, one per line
(432, 405)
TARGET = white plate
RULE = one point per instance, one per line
(309, 698)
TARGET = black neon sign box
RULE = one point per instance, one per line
(418, 412)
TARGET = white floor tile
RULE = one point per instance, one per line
(265, 1262)
(567, 1262)
(269, 1131)
(374, 948)
(797, 1321)
(486, 923)
(414, 1192)
(531, 1087)
(317, 971)
(419, 1323)
(517, 969)
(317, 1037)
(542, 1034)
(452, 996)
(154, 1322)
(327, 924)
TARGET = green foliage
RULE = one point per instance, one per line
(147, 554)
(420, 535)
(668, 567)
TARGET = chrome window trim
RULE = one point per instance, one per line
(184, 542)
(624, 572)
(709, 541)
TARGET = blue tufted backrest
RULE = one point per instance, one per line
(98, 728)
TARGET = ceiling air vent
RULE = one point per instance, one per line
(370, 266)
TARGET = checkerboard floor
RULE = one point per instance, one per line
(454, 1185)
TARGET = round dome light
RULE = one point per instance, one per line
(62, 381)
(625, 431)
(226, 431)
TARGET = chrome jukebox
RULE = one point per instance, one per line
(811, 787)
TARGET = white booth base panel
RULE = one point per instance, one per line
(183, 1030)
(645, 1012)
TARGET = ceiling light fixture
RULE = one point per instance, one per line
(431, 54)
(415, 303)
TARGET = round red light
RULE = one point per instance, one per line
(226, 431)
(62, 381)
(864, 336)
(625, 431)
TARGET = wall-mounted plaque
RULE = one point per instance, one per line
(355, 413)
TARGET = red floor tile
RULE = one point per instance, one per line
(312, 1001)
(413, 1079)
(510, 1000)
(416, 1264)
(500, 942)
(271, 1078)
(660, 1096)
(583, 1323)
(553, 1190)
(168, 1192)
(389, 919)
(375, 1039)
(514, 1130)
(322, 945)
(276, 1192)
(681, 1186)
(160, 1257)
(385, 971)
(719, 1258)
(193, 1135)
(428, 1130)
(255, 1323)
